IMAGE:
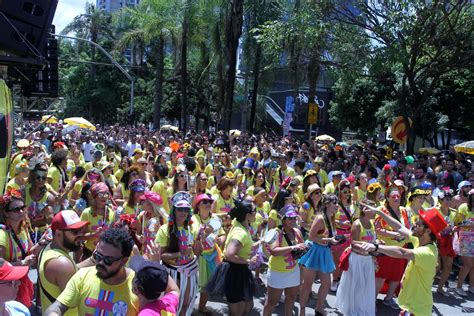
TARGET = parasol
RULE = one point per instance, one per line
(79, 122)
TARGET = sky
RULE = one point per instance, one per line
(66, 11)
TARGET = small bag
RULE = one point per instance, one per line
(296, 253)
(344, 259)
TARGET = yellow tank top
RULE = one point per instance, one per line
(46, 255)
(35, 208)
(286, 262)
(368, 234)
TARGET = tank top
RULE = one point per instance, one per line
(35, 208)
(286, 262)
(367, 234)
(46, 255)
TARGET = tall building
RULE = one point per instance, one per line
(114, 5)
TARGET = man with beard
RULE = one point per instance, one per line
(415, 295)
(105, 289)
(55, 266)
(463, 192)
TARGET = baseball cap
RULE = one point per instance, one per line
(8, 272)
(67, 220)
(152, 276)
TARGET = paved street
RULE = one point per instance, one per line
(452, 305)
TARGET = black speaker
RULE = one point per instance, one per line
(30, 19)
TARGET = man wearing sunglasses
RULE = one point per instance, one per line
(55, 266)
(105, 289)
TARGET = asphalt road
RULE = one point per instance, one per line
(452, 305)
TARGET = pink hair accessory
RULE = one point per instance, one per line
(153, 197)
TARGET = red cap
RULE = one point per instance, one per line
(434, 220)
(387, 167)
(201, 197)
(67, 220)
(11, 273)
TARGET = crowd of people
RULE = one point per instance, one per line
(128, 221)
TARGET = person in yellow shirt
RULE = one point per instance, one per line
(210, 258)
(321, 173)
(283, 171)
(179, 248)
(233, 277)
(57, 176)
(106, 288)
(465, 245)
(415, 295)
(283, 268)
(100, 216)
(55, 266)
(19, 180)
(161, 185)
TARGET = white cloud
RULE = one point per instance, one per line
(66, 11)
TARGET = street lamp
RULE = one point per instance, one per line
(116, 64)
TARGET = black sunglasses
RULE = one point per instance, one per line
(16, 209)
(41, 178)
(182, 209)
(98, 257)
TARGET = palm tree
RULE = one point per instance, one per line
(152, 23)
(93, 25)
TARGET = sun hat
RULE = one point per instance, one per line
(312, 188)
(138, 185)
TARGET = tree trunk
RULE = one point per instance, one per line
(233, 33)
(256, 75)
(184, 67)
(313, 74)
(160, 65)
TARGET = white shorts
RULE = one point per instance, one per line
(283, 280)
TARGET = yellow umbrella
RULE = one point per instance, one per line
(168, 127)
(428, 150)
(235, 132)
(466, 147)
(325, 138)
(49, 119)
(79, 122)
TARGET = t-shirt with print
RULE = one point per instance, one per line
(165, 306)
(415, 294)
(94, 297)
(185, 239)
(282, 263)
(94, 223)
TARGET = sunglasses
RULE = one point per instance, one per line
(181, 175)
(134, 174)
(316, 193)
(204, 179)
(206, 202)
(17, 209)
(144, 164)
(182, 209)
(40, 178)
(98, 257)
(345, 191)
(103, 194)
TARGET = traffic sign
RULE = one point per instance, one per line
(399, 130)
(313, 113)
